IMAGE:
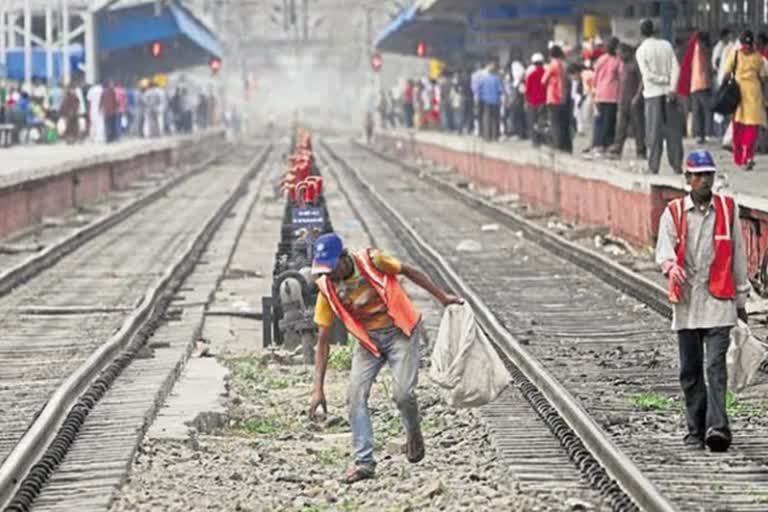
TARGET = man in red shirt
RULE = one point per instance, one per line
(535, 98)
(558, 93)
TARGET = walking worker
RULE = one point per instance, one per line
(663, 115)
(748, 67)
(361, 289)
(700, 250)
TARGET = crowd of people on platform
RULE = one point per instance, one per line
(103, 112)
(606, 91)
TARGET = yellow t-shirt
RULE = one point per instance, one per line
(359, 297)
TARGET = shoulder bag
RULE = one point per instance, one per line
(728, 96)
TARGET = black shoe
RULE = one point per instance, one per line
(717, 440)
(414, 447)
(750, 165)
(693, 442)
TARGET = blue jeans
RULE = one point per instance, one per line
(403, 355)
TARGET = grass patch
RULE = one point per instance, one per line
(279, 383)
(340, 357)
(651, 401)
(734, 407)
(331, 456)
(247, 368)
(260, 426)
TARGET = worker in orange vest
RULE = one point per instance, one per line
(701, 251)
(362, 290)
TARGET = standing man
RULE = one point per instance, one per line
(700, 250)
(477, 105)
(558, 100)
(631, 107)
(695, 81)
(490, 89)
(535, 99)
(362, 290)
(663, 115)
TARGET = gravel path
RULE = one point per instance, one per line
(272, 457)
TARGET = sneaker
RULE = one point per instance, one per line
(358, 472)
(693, 442)
(717, 440)
(414, 447)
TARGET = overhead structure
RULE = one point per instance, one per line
(41, 39)
(56, 39)
(146, 38)
(470, 27)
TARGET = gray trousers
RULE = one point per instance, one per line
(664, 122)
(633, 116)
(705, 408)
(702, 113)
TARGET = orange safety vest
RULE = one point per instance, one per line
(721, 283)
(399, 306)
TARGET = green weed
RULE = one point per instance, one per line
(341, 356)
(651, 401)
(278, 383)
(330, 456)
(734, 407)
(246, 368)
(263, 426)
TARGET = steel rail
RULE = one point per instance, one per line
(613, 273)
(628, 476)
(37, 440)
(47, 257)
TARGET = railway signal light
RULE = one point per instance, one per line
(376, 61)
(215, 64)
(156, 48)
(421, 48)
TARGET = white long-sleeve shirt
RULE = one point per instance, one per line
(658, 67)
(698, 309)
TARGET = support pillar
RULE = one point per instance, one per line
(91, 64)
(65, 62)
(49, 44)
(28, 45)
(3, 35)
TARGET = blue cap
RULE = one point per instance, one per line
(700, 160)
(328, 250)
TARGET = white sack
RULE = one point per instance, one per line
(464, 362)
(745, 354)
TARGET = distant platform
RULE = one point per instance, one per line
(617, 194)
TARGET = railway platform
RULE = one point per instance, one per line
(594, 192)
(45, 181)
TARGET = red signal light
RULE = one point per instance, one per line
(214, 64)
(156, 49)
(421, 49)
(376, 62)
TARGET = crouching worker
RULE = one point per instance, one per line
(700, 250)
(362, 290)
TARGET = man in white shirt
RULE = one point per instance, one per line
(663, 115)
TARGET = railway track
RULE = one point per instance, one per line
(565, 328)
(78, 320)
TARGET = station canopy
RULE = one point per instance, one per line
(468, 26)
(14, 62)
(149, 37)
